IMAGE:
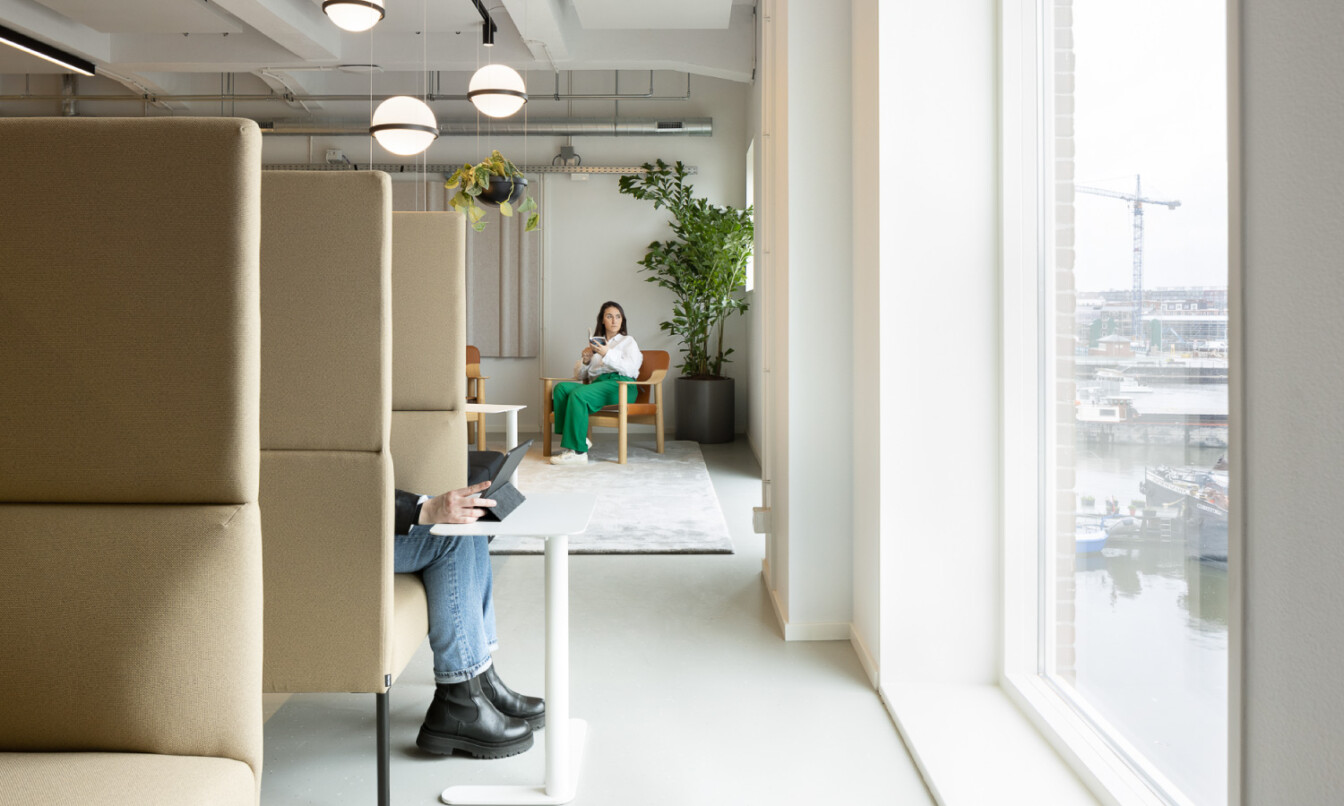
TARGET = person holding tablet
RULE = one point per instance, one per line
(472, 710)
(611, 355)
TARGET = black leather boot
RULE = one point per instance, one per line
(462, 718)
(511, 703)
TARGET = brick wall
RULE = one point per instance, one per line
(1065, 497)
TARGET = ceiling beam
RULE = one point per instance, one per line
(299, 26)
(46, 25)
(541, 24)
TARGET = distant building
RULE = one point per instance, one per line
(1114, 346)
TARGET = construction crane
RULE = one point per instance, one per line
(1136, 202)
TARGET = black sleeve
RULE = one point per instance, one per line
(408, 511)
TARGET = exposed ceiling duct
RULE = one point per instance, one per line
(569, 127)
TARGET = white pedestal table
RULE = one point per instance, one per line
(553, 517)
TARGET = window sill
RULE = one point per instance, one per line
(974, 746)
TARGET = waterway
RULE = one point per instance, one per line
(1151, 639)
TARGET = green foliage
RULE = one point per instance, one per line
(471, 181)
(704, 264)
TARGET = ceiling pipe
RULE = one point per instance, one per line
(569, 127)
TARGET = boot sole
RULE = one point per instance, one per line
(432, 742)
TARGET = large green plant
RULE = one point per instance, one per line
(704, 264)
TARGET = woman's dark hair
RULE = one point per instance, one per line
(601, 329)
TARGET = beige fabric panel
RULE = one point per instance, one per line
(328, 518)
(123, 779)
(430, 450)
(429, 336)
(133, 628)
(117, 234)
(325, 256)
(410, 621)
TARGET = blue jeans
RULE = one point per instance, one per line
(458, 583)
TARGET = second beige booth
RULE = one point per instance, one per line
(341, 277)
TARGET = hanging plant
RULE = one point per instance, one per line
(495, 181)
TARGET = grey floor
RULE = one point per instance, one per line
(690, 693)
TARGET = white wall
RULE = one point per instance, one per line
(593, 235)
(941, 592)
(811, 301)
(1292, 647)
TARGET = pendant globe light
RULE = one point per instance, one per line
(354, 15)
(404, 125)
(497, 91)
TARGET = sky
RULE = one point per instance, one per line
(1151, 99)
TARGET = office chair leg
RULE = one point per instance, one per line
(384, 752)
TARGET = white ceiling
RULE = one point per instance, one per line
(258, 47)
(162, 37)
(644, 14)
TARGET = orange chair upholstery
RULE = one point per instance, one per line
(647, 408)
(476, 394)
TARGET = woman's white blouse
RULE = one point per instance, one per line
(623, 357)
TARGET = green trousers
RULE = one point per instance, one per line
(573, 402)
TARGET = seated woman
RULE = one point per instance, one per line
(603, 365)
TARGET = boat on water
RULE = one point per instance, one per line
(1202, 498)
(1088, 537)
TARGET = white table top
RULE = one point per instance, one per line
(541, 515)
(494, 408)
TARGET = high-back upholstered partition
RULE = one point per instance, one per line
(337, 618)
(429, 337)
(130, 538)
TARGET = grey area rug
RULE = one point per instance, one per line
(652, 504)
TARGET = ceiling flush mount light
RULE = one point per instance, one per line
(44, 51)
(404, 125)
(497, 91)
(354, 15)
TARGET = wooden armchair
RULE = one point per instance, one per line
(647, 408)
(476, 394)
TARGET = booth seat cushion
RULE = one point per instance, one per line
(124, 779)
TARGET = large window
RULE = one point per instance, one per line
(1116, 372)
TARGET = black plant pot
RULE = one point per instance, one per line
(503, 188)
(705, 411)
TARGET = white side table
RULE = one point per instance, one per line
(553, 517)
(510, 435)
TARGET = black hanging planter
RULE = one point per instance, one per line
(504, 188)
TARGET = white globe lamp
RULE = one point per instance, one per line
(354, 15)
(497, 91)
(404, 125)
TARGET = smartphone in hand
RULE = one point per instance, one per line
(595, 340)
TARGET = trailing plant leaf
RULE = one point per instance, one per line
(472, 180)
(703, 265)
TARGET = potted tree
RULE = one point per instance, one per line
(495, 181)
(704, 265)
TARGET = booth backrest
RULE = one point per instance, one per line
(326, 474)
(130, 540)
(429, 337)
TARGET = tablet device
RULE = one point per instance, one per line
(501, 490)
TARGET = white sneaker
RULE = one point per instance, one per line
(568, 457)
(590, 443)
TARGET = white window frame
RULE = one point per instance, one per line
(1111, 767)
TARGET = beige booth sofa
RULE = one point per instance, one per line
(130, 540)
(429, 357)
(337, 618)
